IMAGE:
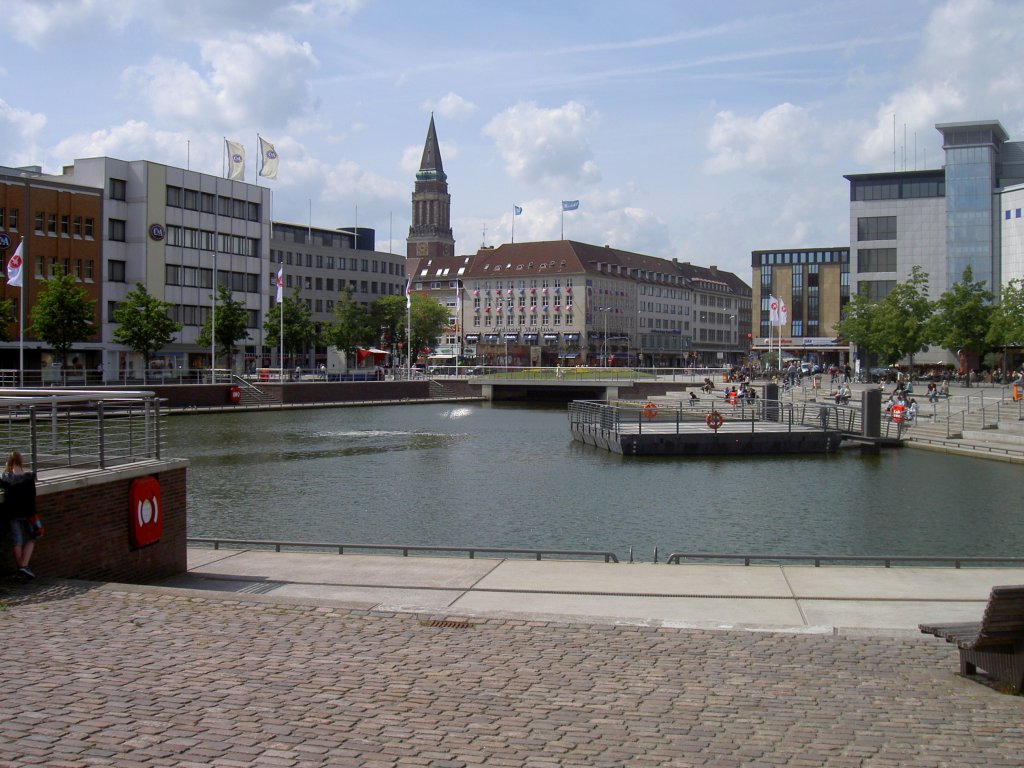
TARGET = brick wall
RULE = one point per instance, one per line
(86, 517)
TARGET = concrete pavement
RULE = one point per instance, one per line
(789, 598)
(270, 663)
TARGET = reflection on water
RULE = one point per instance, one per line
(492, 475)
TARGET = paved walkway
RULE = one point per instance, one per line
(298, 660)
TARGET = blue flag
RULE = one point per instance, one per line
(518, 211)
(570, 205)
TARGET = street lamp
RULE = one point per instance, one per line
(604, 339)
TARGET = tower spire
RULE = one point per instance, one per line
(430, 233)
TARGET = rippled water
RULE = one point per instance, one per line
(500, 475)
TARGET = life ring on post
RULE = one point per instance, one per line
(897, 413)
(650, 410)
(714, 420)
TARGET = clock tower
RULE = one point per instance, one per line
(430, 234)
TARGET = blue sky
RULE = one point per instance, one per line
(690, 130)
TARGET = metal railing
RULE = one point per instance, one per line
(63, 429)
(405, 549)
(676, 558)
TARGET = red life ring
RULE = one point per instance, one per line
(650, 410)
(146, 512)
(897, 413)
(714, 420)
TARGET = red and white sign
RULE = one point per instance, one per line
(146, 513)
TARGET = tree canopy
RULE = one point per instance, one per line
(231, 324)
(63, 314)
(299, 331)
(143, 324)
(963, 316)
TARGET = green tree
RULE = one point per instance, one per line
(63, 314)
(6, 318)
(299, 331)
(1007, 327)
(144, 324)
(429, 321)
(900, 327)
(350, 328)
(858, 322)
(231, 319)
(962, 317)
(387, 316)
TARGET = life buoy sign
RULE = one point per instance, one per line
(897, 413)
(650, 410)
(732, 397)
(714, 420)
(146, 514)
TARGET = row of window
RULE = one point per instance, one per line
(319, 260)
(198, 277)
(876, 260)
(1016, 214)
(82, 269)
(489, 320)
(768, 258)
(896, 189)
(876, 228)
(47, 223)
(194, 200)
(206, 240)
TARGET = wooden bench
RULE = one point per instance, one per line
(996, 644)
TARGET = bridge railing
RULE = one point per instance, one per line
(81, 429)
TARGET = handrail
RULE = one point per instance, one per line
(609, 557)
(676, 557)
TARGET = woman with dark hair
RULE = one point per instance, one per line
(19, 505)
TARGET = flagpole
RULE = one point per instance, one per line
(280, 311)
(21, 321)
(513, 223)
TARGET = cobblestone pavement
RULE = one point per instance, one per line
(106, 675)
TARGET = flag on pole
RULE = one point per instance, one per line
(783, 312)
(408, 293)
(268, 154)
(517, 210)
(570, 205)
(773, 310)
(14, 266)
(280, 284)
(236, 160)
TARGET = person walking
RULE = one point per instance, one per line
(19, 505)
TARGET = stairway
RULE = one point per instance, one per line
(995, 431)
(254, 396)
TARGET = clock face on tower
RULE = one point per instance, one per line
(421, 249)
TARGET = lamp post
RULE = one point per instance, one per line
(604, 338)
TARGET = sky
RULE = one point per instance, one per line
(690, 130)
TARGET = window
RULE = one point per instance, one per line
(116, 271)
(877, 289)
(12, 219)
(876, 228)
(118, 189)
(117, 227)
(191, 200)
(65, 225)
(174, 197)
(39, 221)
(51, 224)
(89, 226)
(876, 260)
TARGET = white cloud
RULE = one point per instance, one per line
(39, 22)
(778, 140)
(19, 130)
(137, 140)
(257, 81)
(546, 146)
(453, 106)
(960, 73)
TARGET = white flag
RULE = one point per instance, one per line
(773, 310)
(280, 284)
(236, 160)
(783, 313)
(268, 170)
(14, 266)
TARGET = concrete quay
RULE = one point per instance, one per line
(276, 659)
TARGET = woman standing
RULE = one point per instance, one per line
(20, 506)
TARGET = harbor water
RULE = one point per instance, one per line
(492, 475)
